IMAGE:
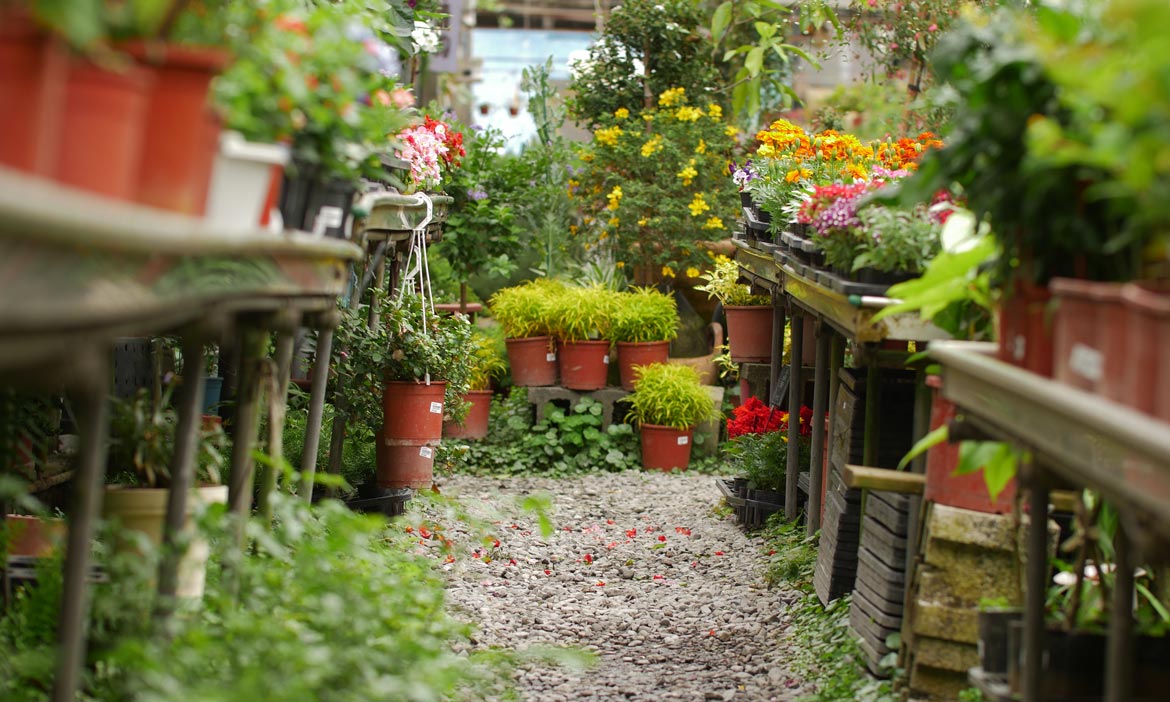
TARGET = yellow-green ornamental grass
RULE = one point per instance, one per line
(645, 314)
(669, 395)
(525, 310)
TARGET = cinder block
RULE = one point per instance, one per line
(539, 397)
(958, 624)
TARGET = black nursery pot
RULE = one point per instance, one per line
(875, 277)
(993, 639)
(331, 200)
(745, 199)
(294, 193)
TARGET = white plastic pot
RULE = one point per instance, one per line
(239, 181)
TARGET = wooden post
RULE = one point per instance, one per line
(795, 386)
(277, 405)
(321, 362)
(820, 402)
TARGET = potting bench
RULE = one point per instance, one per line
(79, 271)
(1079, 438)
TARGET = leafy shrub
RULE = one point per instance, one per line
(525, 310)
(669, 395)
(582, 313)
(645, 314)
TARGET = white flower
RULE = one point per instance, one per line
(425, 38)
(580, 63)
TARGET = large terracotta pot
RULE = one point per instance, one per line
(33, 536)
(1147, 372)
(100, 145)
(666, 448)
(749, 333)
(1089, 335)
(145, 510)
(533, 361)
(942, 485)
(181, 135)
(1025, 332)
(412, 410)
(584, 365)
(475, 425)
(639, 353)
(33, 69)
(405, 463)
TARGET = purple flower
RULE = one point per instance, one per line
(477, 194)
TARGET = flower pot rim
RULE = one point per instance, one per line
(587, 342)
(641, 343)
(1079, 288)
(664, 427)
(748, 307)
(157, 52)
(415, 381)
(234, 145)
(1147, 300)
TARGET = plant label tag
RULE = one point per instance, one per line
(605, 359)
(684, 440)
(1086, 362)
(426, 452)
(330, 217)
(436, 408)
(550, 357)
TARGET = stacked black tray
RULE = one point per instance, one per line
(876, 612)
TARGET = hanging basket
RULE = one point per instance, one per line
(392, 212)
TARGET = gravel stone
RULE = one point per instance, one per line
(641, 571)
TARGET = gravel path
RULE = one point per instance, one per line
(642, 571)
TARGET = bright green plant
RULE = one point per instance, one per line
(670, 395)
(419, 346)
(654, 190)
(143, 441)
(723, 285)
(645, 314)
(892, 240)
(526, 310)
(488, 362)
(763, 458)
(582, 314)
(645, 48)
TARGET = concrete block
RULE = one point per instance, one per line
(961, 589)
(945, 655)
(958, 624)
(539, 397)
(935, 684)
(963, 526)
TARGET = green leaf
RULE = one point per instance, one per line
(766, 30)
(720, 20)
(792, 49)
(924, 444)
(754, 61)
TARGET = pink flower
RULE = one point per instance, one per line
(932, 28)
(402, 98)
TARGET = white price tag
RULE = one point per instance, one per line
(436, 408)
(605, 359)
(1087, 362)
(426, 452)
(330, 217)
(684, 440)
(550, 357)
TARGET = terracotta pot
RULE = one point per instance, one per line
(942, 485)
(749, 333)
(145, 510)
(182, 132)
(1147, 375)
(405, 463)
(412, 410)
(33, 536)
(1088, 323)
(1025, 335)
(533, 361)
(33, 69)
(584, 365)
(475, 425)
(666, 448)
(102, 127)
(639, 353)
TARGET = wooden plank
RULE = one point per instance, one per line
(867, 478)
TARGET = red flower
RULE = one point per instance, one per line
(588, 558)
(754, 417)
(662, 538)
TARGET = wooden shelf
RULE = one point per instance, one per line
(757, 265)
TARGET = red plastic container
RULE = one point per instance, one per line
(182, 132)
(100, 142)
(33, 69)
(942, 485)
(475, 425)
(1089, 323)
(639, 353)
(405, 463)
(749, 333)
(1147, 368)
(666, 448)
(584, 365)
(1025, 332)
(533, 361)
(412, 410)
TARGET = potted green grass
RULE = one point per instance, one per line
(644, 323)
(580, 319)
(487, 364)
(667, 404)
(524, 312)
(749, 317)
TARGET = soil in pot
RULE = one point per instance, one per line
(104, 118)
(584, 365)
(749, 333)
(666, 448)
(532, 361)
(639, 353)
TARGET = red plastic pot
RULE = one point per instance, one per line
(475, 425)
(1089, 335)
(182, 132)
(405, 463)
(33, 536)
(749, 333)
(942, 485)
(412, 410)
(584, 365)
(1147, 374)
(1025, 335)
(639, 353)
(533, 361)
(100, 147)
(666, 448)
(33, 68)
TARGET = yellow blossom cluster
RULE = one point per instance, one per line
(608, 136)
(698, 205)
(614, 197)
(688, 174)
(672, 97)
(652, 146)
(621, 113)
(715, 111)
(830, 156)
(701, 148)
(714, 223)
(686, 113)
